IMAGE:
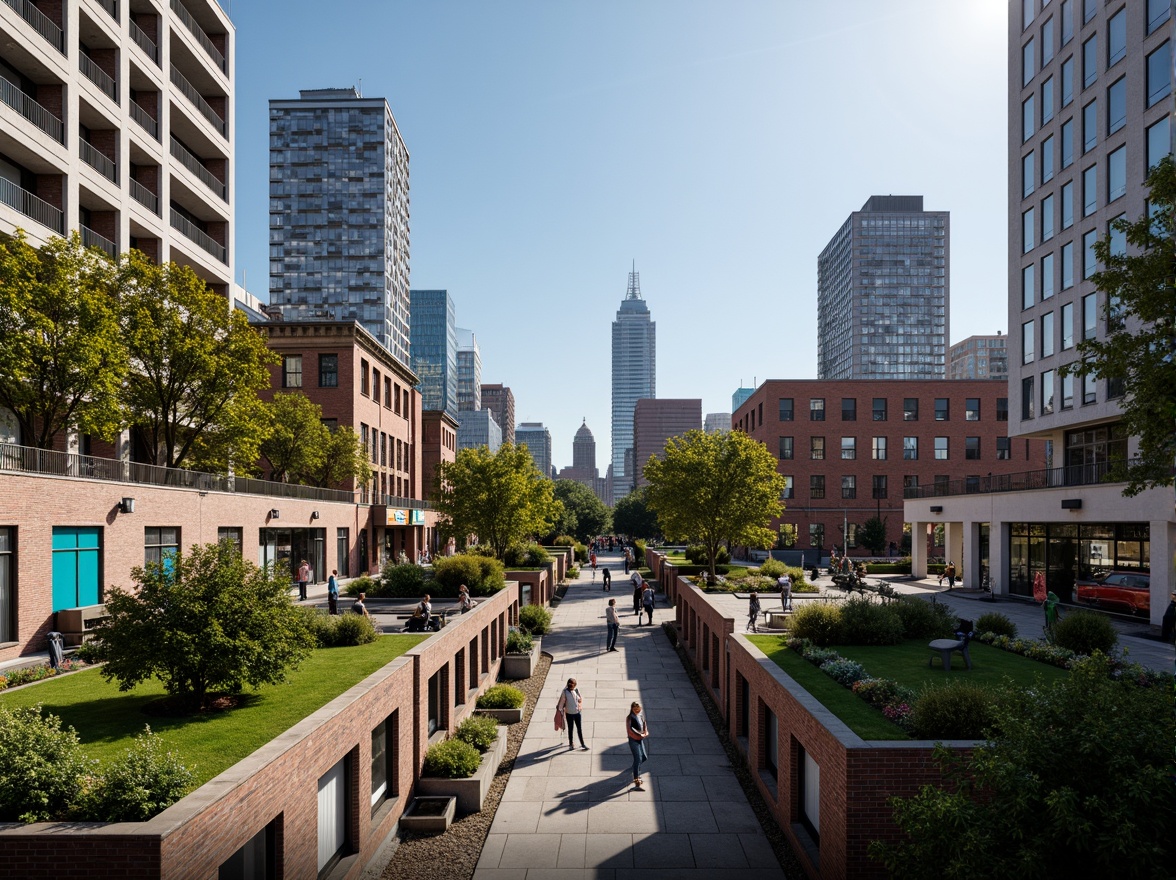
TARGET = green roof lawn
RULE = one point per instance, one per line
(906, 663)
(107, 719)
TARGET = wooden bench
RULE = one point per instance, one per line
(945, 647)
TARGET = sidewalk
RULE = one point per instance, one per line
(575, 814)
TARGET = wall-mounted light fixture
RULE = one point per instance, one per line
(937, 509)
(314, 514)
(127, 505)
(1071, 504)
(275, 513)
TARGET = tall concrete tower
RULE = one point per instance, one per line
(634, 361)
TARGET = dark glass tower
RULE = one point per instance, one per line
(434, 349)
(634, 355)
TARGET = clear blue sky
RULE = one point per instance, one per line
(720, 145)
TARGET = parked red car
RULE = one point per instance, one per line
(1124, 591)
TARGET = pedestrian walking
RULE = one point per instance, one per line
(571, 703)
(627, 559)
(635, 579)
(464, 601)
(606, 577)
(950, 574)
(303, 579)
(333, 592)
(784, 582)
(753, 610)
(637, 730)
(613, 623)
(647, 603)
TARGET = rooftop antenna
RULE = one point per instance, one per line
(359, 88)
(634, 291)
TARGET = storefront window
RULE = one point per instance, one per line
(1066, 552)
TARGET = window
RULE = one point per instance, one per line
(1117, 174)
(849, 487)
(1047, 159)
(941, 448)
(1047, 277)
(1067, 392)
(1159, 74)
(1047, 392)
(1117, 238)
(1117, 38)
(1090, 61)
(849, 409)
(292, 371)
(848, 448)
(1088, 392)
(396, 400)
(817, 486)
(1089, 126)
(1116, 387)
(334, 796)
(878, 489)
(817, 448)
(786, 409)
(1068, 143)
(1047, 43)
(1028, 286)
(387, 393)
(972, 448)
(972, 409)
(1067, 204)
(1028, 62)
(1028, 118)
(1028, 234)
(788, 492)
(817, 409)
(1090, 316)
(910, 448)
(878, 449)
(343, 551)
(232, 534)
(1028, 174)
(879, 409)
(910, 409)
(1002, 409)
(1090, 261)
(1158, 142)
(816, 534)
(328, 371)
(1089, 190)
(1117, 105)
(1027, 331)
(1116, 315)
(1067, 326)
(1047, 101)
(786, 450)
(1047, 218)
(1067, 81)
(771, 742)
(1158, 12)
(1067, 265)
(363, 378)
(160, 546)
(1047, 334)
(1089, 10)
(1003, 449)
(942, 409)
(385, 739)
(1027, 398)
(910, 481)
(1067, 21)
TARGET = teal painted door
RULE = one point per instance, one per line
(75, 566)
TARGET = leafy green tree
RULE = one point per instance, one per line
(1139, 348)
(712, 489)
(499, 496)
(633, 517)
(584, 515)
(1075, 781)
(203, 622)
(297, 441)
(344, 460)
(196, 368)
(41, 765)
(872, 535)
(61, 359)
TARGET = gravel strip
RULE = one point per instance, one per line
(454, 855)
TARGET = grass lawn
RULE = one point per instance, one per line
(906, 663)
(106, 719)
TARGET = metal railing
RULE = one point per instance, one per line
(144, 197)
(111, 6)
(31, 206)
(98, 76)
(90, 238)
(145, 43)
(39, 22)
(203, 239)
(399, 501)
(1049, 478)
(11, 95)
(193, 164)
(197, 100)
(29, 460)
(97, 160)
(201, 37)
(145, 121)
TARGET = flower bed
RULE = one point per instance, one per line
(29, 674)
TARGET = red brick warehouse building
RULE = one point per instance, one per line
(849, 447)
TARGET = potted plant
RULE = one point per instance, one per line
(464, 765)
(519, 660)
(503, 703)
(429, 815)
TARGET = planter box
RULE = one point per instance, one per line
(470, 792)
(429, 815)
(505, 716)
(516, 666)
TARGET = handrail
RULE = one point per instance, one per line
(22, 103)
(1048, 478)
(39, 22)
(98, 76)
(201, 37)
(98, 160)
(199, 236)
(193, 164)
(90, 238)
(144, 196)
(145, 43)
(197, 99)
(31, 206)
(111, 6)
(144, 119)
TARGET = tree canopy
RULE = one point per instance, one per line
(872, 535)
(712, 489)
(498, 496)
(1139, 347)
(61, 357)
(584, 515)
(632, 516)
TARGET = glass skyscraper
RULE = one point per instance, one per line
(634, 351)
(339, 214)
(469, 372)
(434, 349)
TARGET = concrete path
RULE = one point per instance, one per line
(575, 814)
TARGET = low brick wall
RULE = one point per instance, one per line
(542, 588)
(277, 786)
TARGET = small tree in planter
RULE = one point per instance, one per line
(519, 659)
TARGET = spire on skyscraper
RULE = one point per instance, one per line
(634, 291)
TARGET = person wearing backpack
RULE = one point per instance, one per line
(647, 602)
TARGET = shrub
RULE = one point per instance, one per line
(996, 623)
(573, 572)
(339, 631)
(525, 556)
(41, 765)
(773, 568)
(518, 642)
(361, 584)
(867, 623)
(639, 552)
(564, 541)
(452, 759)
(479, 731)
(581, 552)
(535, 619)
(484, 575)
(1085, 632)
(819, 623)
(882, 692)
(844, 672)
(922, 620)
(89, 651)
(696, 553)
(405, 581)
(143, 782)
(501, 696)
(480, 550)
(957, 710)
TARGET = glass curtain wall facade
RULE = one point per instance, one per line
(434, 349)
(469, 372)
(634, 363)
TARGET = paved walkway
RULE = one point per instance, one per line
(575, 814)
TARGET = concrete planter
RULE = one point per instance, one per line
(429, 815)
(505, 716)
(517, 666)
(470, 792)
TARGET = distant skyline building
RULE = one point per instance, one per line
(883, 293)
(979, 357)
(634, 375)
(479, 429)
(655, 422)
(740, 395)
(434, 348)
(583, 469)
(537, 439)
(469, 372)
(339, 212)
(717, 423)
(499, 399)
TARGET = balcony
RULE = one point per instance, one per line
(111, 7)
(98, 76)
(39, 22)
(97, 160)
(11, 95)
(201, 238)
(193, 164)
(28, 204)
(1050, 478)
(197, 100)
(90, 238)
(145, 197)
(145, 43)
(145, 121)
(201, 37)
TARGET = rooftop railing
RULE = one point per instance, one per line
(31, 206)
(12, 95)
(39, 22)
(1049, 478)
